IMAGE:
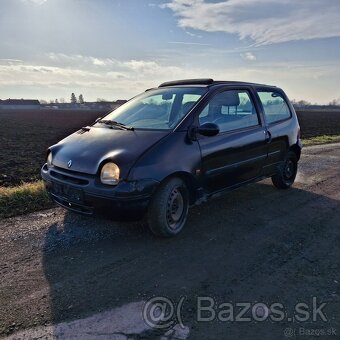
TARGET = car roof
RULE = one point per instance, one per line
(208, 82)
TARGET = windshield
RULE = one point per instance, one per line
(157, 109)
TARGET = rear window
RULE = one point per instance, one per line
(274, 105)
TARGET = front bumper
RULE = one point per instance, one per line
(85, 194)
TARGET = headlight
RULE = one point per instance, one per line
(110, 174)
(49, 159)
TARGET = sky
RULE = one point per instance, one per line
(115, 49)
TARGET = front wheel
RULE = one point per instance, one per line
(168, 208)
(285, 177)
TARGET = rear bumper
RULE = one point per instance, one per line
(85, 194)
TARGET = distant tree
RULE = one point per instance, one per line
(334, 102)
(73, 98)
(62, 100)
(81, 99)
(303, 103)
(56, 101)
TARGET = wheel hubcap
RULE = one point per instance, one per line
(175, 207)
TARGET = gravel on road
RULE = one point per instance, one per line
(64, 275)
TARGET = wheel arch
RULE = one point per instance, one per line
(296, 149)
(190, 182)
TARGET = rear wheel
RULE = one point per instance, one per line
(168, 208)
(285, 177)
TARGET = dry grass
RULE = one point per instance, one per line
(324, 139)
(22, 199)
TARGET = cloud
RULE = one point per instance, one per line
(133, 68)
(263, 21)
(96, 77)
(193, 35)
(61, 74)
(11, 61)
(248, 56)
(187, 43)
(36, 2)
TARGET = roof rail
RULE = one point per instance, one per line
(203, 81)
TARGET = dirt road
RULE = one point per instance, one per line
(68, 276)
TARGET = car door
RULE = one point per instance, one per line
(277, 116)
(237, 153)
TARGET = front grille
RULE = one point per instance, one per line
(69, 179)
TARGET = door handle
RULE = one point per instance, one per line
(268, 137)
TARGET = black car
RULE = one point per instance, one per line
(174, 146)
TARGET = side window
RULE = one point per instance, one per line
(188, 101)
(274, 106)
(230, 110)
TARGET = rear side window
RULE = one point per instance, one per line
(274, 105)
(230, 110)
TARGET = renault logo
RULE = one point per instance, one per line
(69, 163)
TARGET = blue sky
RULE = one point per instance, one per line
(115, 49)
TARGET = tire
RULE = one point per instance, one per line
(285, 177)
(168, 209)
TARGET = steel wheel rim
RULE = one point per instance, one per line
(289, 170)
(175, 208)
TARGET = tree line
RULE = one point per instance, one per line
(73, 100)
(334, 102)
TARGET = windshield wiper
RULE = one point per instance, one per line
(116, 124)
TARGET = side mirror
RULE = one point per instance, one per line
(208, 129)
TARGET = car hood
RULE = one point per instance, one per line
(88, 149)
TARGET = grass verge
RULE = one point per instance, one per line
(22, 199)
(324, 139)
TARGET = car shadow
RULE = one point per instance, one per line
(254, 244)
